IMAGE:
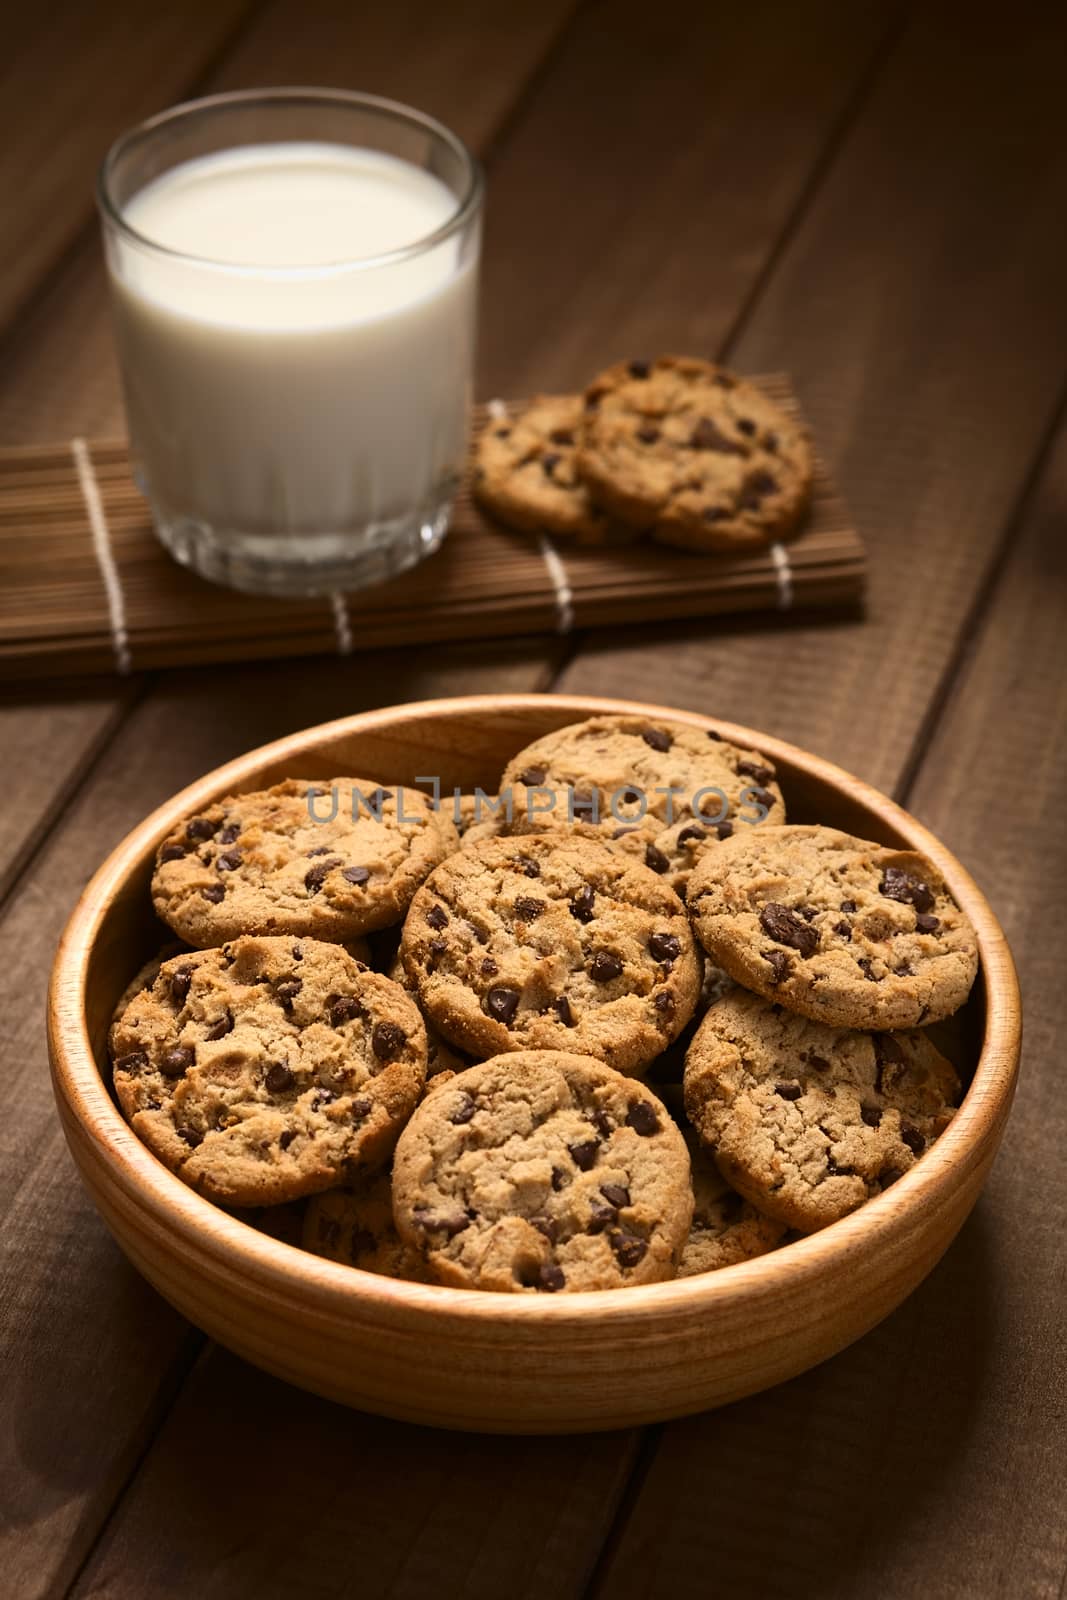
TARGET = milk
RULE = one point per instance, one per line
(284, 386)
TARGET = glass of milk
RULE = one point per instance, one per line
(294, 279)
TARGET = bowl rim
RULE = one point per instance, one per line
(335, 1289)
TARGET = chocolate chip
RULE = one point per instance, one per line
(848, 905)
(780, 965)
(600, 1217)
(228, 834)
(761, 484)
(550, 462)
(315, 877)
(550, 1277)
(639, 369)
(319, 850)
(786, 927)
(844, 929)
(601, 1122)
(437, 917)
(229, 861)
(489, 967)
(190, 1137)
(278, 1079)
(172, 852)
(530, 867)
(904, 970)
(533, 777)
(464, 1111)
(924, 923)
(724, 829)
(219, 1029)
(788, 1091)
(561, 436)
(548, 1226)
(501, 433)
(361, 1106)
(179, 983)
(615, 1194)
(664, 947)
(323, 1097)
(176, 1061)
(872, 1115)
(378, 797)
(585, 807)
(527, 910)
(296, 953)
(752, 769)
(285, 1139)
(628, 1247)
(438, 948)
(562, 1007)
(439, 1222)
(502, 1004)
(133, 1061)
(706, 436)
(746, 425)
(624, 833)
(887, 1053)
(559, 1179)
(356, 875)
(584, 1154)
(605, 967)
(199, 828)
(912, 1137)
(820, 1063)
(770, 442)
(286, 992)
(904, 886)
(478, 933)
(763, 797)
(213, 893)
(868, 971)
(642, 1118)
(342, 1008)
(692, 833)
(648, 434)
(387, 1040)
(655, 859)
(714, 735)
(582, 904)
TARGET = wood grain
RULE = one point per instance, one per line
(922, 1463)
(928, 347)
(131, 60)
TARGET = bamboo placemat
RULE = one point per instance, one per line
(86, 587)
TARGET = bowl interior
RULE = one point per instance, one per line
(463, 744)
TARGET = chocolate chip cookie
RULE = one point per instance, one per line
(696, 453)
(662, 792)
(269, 1069)
(839, 929)
(552, 943)
(525, 471)
(543, 1172)
(808, 1121)
(325, 860)
(355, 1226)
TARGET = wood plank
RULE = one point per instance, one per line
(919, 309)
(73, 77)
(396, 1509)
(926, 1462)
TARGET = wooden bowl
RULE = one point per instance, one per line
(511, 1363)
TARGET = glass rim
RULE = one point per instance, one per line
(467, 202)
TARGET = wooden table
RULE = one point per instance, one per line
(873, 199)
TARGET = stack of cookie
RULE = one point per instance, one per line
(476, 1112)
(679, 448)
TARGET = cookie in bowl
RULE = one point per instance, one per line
(839, 929)
(543, 1172)
(268, 1069)
(326, 860)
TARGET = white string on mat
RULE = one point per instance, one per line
(557, 572)
(783, 573)
(105, 559)
(342, 625)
